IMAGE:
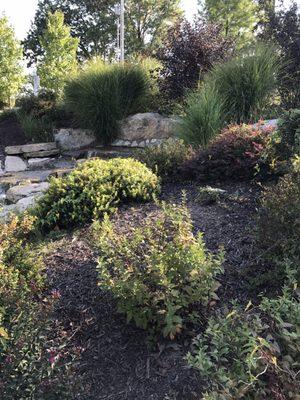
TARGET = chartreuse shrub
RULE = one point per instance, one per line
(252, 353)
(165, 158)
(103, 94)
(160, 273)
(26, 371)
(94, 188)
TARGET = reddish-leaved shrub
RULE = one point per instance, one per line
(234, 154)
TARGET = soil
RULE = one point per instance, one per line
(115, 361)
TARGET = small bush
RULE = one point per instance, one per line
(94, 188)
(165, 158)
(159, 273)
(208, 195)
(203, 117)
(246, 83)
(251, 354)
(279, 227)
(234, 154)
(103, 94)
(36, 130)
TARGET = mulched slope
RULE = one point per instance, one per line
(115, 362)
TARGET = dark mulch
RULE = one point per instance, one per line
(116, 362)
(11, 134)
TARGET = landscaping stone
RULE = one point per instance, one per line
(42, 154)
(30, 148)
(74, 139)
(146, 126)
(14, 164)
(39, 162)
(16, 193)
(21, 206)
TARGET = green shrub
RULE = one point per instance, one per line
(279, 228)
(251, 354)
(165, 158)
(26, 322)
(159, 273)
(103, 94)
(246, 83)
(94, 188)
(204, 117)
(37, 130)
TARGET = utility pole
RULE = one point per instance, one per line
(122, 31)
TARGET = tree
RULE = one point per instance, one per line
(147, 21)
(188, 52)
(59, 59)
(11, 71)
(94, 23)
(237, 17)
(282, 27)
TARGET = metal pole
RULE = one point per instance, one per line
(122, 30)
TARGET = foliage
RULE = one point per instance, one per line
(94, 188)
(103, 94)
(282, 27)
(11, 71)
(188, 52)
(237, 18)
(94, 23)
(208, 195)
(203, 118)
(279, 229)
(246, 83)
(234, 154)
(157, 272)
(39, 115)
(165, 158)
(59, 54)
(148, 19)
(251, 353)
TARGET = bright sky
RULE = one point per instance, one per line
(21, 12)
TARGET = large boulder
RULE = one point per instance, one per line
(146, 126)
(74, 139)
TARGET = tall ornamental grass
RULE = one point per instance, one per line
(203, 118)
(246, 83)
(103, 94)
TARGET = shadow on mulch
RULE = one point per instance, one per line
(115, 361)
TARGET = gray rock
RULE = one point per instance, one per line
(21, 206)
(16, 193)
(118, 143)
(147, 126)
(30, 148)
(42, 154)
(14, 164)
(74, 139)
(208, 195)
(14, 179)
(134, 144)
(268, 124)
(39, 162)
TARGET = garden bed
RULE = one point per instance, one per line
(114, 360)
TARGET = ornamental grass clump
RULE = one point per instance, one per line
(103, 94)
(160, 273)
(94, 188)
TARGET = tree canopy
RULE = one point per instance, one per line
(237, 17)
(94, 22)
(59, 53)
(11, 71)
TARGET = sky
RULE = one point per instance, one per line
(21, 12)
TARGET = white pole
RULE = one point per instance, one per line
(122, 30)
